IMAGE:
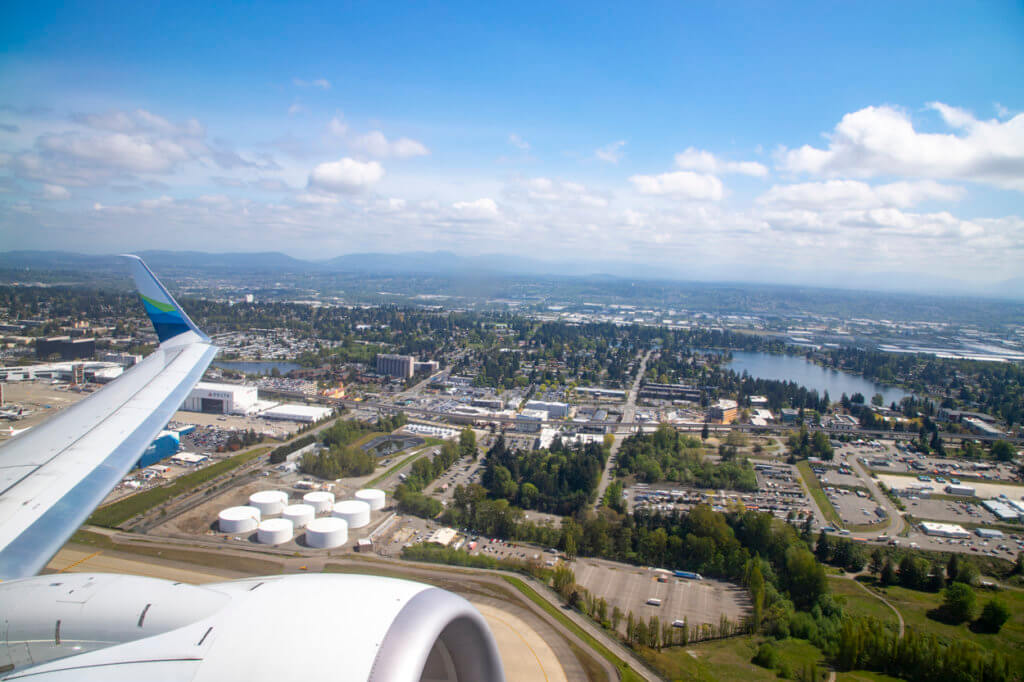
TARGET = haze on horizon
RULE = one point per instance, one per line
(792, 142)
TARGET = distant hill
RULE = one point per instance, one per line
(62, 260)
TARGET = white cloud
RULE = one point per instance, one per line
(377, 145)
(321, 83)
(612, 153)
(295, 108)
(481, 209)
(849, 194)
(130, 152)
(315, 199)
(882, 141)
(519, 142)
(337, 127)
(139, 121)
(346, 175)
(560, 191)
(681, 184)
(706, 162)
(55, 192)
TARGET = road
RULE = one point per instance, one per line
(896, 521)
(628, 412)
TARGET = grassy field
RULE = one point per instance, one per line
(113, 515)
(728, 660)
(396, 467)
(915, 606)
(857, 602)
(626, 674)
(814, 487)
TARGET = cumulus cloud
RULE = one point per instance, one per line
(679, 184)
(55, 192)
(840, 194)
(612, 153)
(321, 83)
(345, 176)
(706, 162)
(377, 145)
(518, 142)
(883, 141)
(480, 209)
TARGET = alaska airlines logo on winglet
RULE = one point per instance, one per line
(165, 317)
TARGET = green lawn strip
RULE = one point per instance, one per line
(915, 605)
(626, 674)
(820, 498)
(396, 467)
(116, 513)
(729, 660)
(363, 440)
(860, 603)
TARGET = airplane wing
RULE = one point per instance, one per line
(52, 477)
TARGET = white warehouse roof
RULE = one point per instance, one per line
(297, 413)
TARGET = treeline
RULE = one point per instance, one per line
(866, 644)
(562, 480)
(280, 453)
(422, 473)
(341, 459)
(669, 455)
(802, 444)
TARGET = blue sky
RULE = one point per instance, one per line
(781, 140)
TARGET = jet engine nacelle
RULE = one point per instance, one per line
(348, 627)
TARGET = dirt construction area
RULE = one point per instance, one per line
(629, 588)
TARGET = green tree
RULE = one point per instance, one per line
(467, 443)
(563, 580)
(1002, 451)
(959, 602)
(888, 575)
(993, 615)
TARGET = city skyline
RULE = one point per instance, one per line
(731, 143)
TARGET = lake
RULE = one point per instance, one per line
(256, 367)
(799, 370)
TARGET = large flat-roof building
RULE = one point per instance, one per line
(400, 366)
(65, 347)
(555, 410)
(222, 399)
(724, 411)
(670, 392)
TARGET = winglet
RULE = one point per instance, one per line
(168, 318)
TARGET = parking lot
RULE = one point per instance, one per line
(779, 493)
(629, 588)
(952, 511)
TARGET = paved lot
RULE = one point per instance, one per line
(629, 588)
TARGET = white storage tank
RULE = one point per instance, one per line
(355, 512)
(269, 502)
(326, 533)
(320, 500)
(238, 520)
(373, 497)
(298, 514)
(274, 531)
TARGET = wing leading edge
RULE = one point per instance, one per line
(52, 477)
